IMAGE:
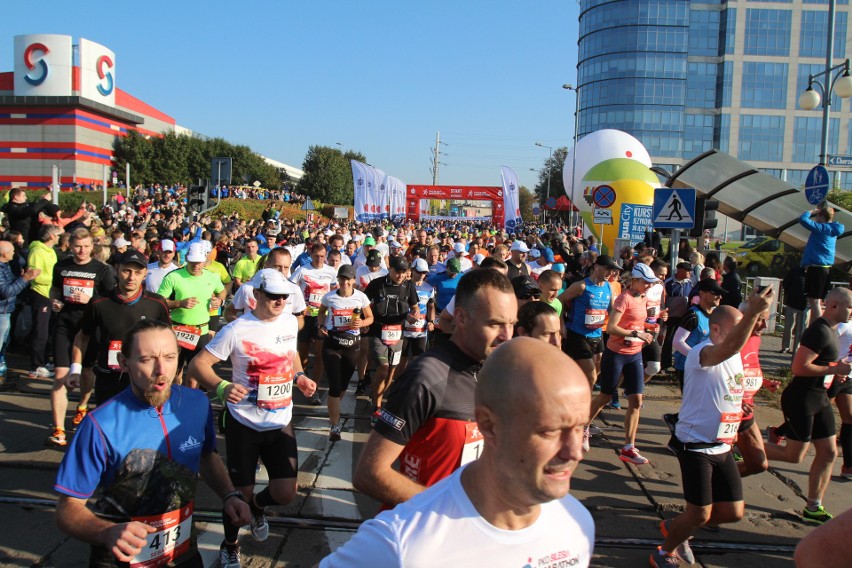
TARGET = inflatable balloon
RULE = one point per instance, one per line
(612, 174)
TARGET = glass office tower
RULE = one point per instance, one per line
(687, 76)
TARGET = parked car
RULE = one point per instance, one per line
(765, 256)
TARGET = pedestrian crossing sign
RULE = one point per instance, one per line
(674, 208)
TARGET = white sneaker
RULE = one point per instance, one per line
(41, 373)
(229, 556)
(586, 437)
(259, 527)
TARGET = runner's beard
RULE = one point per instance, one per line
(154, 397)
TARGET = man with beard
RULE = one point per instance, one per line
(259, 403)
(511, 506)
(152, 435)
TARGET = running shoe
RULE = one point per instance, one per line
(41, 373)
(229, 555)
(315, 400)
(846, 472)
(587, 436)
(613, 405)
(594, 430)
(772, 435)
(259, 526)
(58, 437)
(683, 551)
(819, 516)
(49, 367)
(359, 390)
(81, 413)
(632, 455)
(596, 388)
(334, 435)
(659, 559)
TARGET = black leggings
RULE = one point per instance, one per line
(340, 363)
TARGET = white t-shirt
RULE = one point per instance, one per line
(425, 292)
(156, 274)
(712, 401)
(363, 276)
(361, 260)
(653, 301)
(844, 339)
(244, 300)
(536, 269)
(339, 313)
(262, 355)
(440, 526)
(315, 283)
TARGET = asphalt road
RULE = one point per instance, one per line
(626, 501)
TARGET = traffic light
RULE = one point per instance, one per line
(705, 216)
(196, 199)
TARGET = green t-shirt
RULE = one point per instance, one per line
(245, 268)
(180, 284)
(556, 305)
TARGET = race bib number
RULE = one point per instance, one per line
(595, 318)
(274, 391)
(752, 381)
(112, 354)
(315, 299)
(170, 541)
(391, 334)
(72, 286)
(342, 319)
(730, 423)
(315, 292)
(187, 336)
(473, 442)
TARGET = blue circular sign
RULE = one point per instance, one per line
(536, 211)
(816, 185)
(603, 196)
(550, 203)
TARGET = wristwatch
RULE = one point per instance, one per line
(634, 333)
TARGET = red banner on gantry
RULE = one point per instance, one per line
(414, 193)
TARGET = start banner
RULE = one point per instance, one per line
(416, 193)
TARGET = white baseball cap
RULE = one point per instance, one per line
(535, 253)
(420, 265)
(478, 257)
(196, 253)
(520, 246)
(459, 248)
(167, 244)
(273, 282)
(120, 242)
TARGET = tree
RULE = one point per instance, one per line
(328, 174)
(136, 150)
(555, 163)
(841, 198)
(525, 202)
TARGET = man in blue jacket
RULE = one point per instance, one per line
(819, 255)
(10, 287)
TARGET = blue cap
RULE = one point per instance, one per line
(548, 255)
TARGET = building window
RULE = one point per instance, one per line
(729, 28)
(807, 138)
(767, 32)
(764, 85)
(761, 138)
(704, 33)
(701, 85)
(814, 29)
(805, 71)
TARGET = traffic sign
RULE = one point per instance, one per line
(603, 196)
(839, 161)
(674, 208)
(536, 209)
(603, 216)
(816, 185)
(550, 203)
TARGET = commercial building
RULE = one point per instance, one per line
(687, 76)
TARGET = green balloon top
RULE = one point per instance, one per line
(621, 168)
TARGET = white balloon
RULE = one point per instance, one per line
(593, 149)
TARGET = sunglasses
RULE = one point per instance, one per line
(275, 297)
(531, 296)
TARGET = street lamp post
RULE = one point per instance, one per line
(570, 87)
(549, 166)
(840, 83)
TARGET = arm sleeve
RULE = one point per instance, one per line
(408, 405)
(85, 462)
(222, 344)
(167, 286)
(679, 341)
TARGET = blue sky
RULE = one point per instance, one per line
(379, 77)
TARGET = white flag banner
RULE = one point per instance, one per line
(396, 190)
(375, 178)
(511, 206)
(383, 196)
(359, 179)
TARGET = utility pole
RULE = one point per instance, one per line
(435, 163)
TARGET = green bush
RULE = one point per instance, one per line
(69, 200)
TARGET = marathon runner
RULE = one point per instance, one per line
(623, 354)
(245, 268)
(190, 293)
(371, 270)
(77, 280)
(394, 303)
(155, 434)
(165, 263)
(808, 416)
(539, 320)
(259, 403)
(415, 335)
(695, 327)
(710, 416)
(315, 280)
(344, 312)
(111, 317)
(586, 304)
(427, 421)
(243, 301)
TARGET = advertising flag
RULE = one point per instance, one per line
(359, 180)
(510, 198)
(396, 190)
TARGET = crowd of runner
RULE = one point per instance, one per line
(136, 302)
